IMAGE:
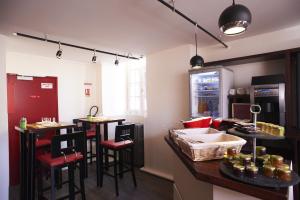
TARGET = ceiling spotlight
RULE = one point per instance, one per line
(59, 52)
(235, 19)
(116, 61)
(196, 61)
(94, 58)
(129, 55)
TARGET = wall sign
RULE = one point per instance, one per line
(47, 85)
(87, 89)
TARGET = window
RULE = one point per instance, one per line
(136, 86)
(123, 88)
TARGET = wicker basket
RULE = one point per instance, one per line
(174, 134)
(202, 147)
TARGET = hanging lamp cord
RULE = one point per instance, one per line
(173, 2)
(233, 2)
(196, 38)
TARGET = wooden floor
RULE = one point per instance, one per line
(149, 188)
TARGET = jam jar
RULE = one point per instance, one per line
(238, 169)
(285, 167)
(261, 150)
(231, 163)
(284, 174)
(231, 151)
(268, 170)
(251, 171)
(261, 160)
(276, 160)
(245, 159)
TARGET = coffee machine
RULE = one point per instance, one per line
(269, 93)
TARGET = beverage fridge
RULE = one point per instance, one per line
(208, 92)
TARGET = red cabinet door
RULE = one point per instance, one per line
(33, 98)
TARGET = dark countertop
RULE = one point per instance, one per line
(208, 171)
(36, 128)
(101, 121)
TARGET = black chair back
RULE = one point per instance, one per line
(124, 132)
(74, 143)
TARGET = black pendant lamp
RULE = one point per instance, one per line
(235, 19)
(196, 61)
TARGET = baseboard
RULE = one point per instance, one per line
(158, 173)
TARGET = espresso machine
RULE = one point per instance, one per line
(269, 93)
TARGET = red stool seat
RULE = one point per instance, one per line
(47, 159)
(111, 144)
(42, 143)
(90, 134)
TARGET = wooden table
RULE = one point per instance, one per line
(97, 122)
(208, 171)
(27, 155)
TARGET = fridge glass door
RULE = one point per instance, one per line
(205, 94)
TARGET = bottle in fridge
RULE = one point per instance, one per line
(208, 92)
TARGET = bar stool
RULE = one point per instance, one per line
(124, 136)
(90, 137)
(70, 157)
(42, 146)
(43, 142)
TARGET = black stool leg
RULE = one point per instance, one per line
(91, 151)
(82, 176)
(53, 183)
(132, 166)
(100, 173)
(121, 163)
(71, 181)
(40, 181)
(116, 172)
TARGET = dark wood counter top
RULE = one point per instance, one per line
(102, 120)
(37, 128)
(208, 171)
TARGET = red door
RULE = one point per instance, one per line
(33, 98)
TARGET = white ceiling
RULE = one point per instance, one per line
(139, 26)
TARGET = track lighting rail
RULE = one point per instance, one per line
(191, 21)
(74, 46)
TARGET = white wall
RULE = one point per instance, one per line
(4, 168)
(167, 103)
(72, 103)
